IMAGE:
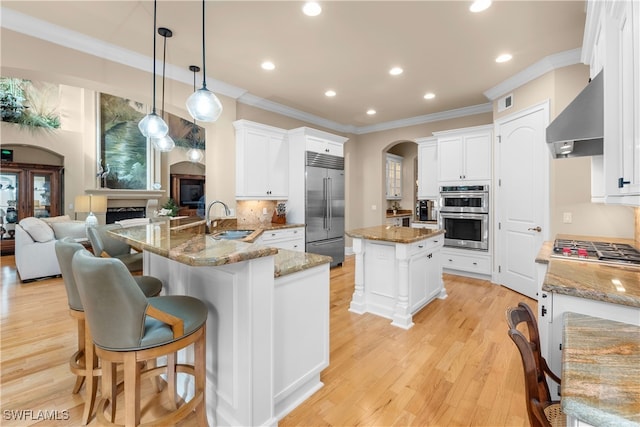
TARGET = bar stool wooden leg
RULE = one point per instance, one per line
(200, 368)
(91, 377)
(171, 379)
(78, 357)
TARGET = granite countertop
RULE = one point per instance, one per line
(600, 371)
(601, 282)
(185, 241)
(388, 233)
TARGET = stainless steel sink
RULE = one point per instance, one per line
(232, 234)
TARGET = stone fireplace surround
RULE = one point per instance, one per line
(118, 198)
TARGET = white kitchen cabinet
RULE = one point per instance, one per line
(325, 146)
(394, 177)
(427, 168)
(285, 238)
(262, 162)
(466, 261)
(426, 276)
(399, 221)
(464, 155)
(430, 226)
(612, 45)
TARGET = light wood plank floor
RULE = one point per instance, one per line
(456, 366)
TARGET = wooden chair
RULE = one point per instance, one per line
(542, 411)
(106, 246)
(132, 329)
(84, 362)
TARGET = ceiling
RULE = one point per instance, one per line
(350, 48)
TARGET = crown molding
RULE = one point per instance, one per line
(546, 64)
(428, 118)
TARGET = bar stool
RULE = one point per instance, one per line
(104, 245)
(84, 362)
(130, 329)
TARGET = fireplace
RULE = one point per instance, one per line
(118, 214)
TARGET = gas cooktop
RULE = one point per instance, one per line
(611, 253)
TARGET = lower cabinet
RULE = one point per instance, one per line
(396, 280)
(286, 238)
(465, 260)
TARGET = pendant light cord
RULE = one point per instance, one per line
(204, 66)
(155, 7)
(164, 63)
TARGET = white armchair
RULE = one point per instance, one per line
(35, 241)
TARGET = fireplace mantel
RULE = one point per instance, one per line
(119, 194)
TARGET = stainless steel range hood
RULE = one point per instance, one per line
(579, 129)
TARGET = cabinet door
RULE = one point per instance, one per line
(428, 170)
(43, 202)
(324, 146)
(394, 177)
(477, 157)
(255, 165)
(278, 169)
(419, 276)
(450, 159)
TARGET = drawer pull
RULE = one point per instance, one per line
(420, 246)
(450, 260)
(475, 263)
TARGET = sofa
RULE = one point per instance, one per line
(35, 241)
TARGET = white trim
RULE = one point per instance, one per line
(546, 64)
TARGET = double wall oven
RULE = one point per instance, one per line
(464, 214)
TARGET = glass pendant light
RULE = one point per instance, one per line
(164, 143)
(203, 104)
(193, 154)
(152, 125)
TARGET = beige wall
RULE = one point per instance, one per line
(570, 179)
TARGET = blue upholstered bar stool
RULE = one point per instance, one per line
(104, 245)
(84, 362)
(129, 328)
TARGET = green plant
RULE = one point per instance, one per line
(171, 205)
(26, 104)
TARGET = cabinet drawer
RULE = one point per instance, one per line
(284, 234)
(426, 245)
(474, 264)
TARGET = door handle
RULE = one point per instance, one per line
(538, 229)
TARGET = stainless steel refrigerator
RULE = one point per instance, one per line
(324, 206)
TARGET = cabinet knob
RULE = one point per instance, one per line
(420, 246)
(475, 263)
(622, 182)
(450, 260)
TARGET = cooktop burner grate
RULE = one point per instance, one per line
(597, 251)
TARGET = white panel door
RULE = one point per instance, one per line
(522, 197)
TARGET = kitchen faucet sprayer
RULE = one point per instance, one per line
(227, 211)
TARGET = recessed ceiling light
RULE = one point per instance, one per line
(330, 93)
(504, 58)
(371, 111)
(480, 5)
(429, 95)
(268, 65)
(312, 8)
(396, 71)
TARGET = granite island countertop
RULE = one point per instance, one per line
(393, 234)
(601, 371)
(185, 241)
(601, 282)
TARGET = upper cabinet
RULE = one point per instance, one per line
(612, 45)
(394, 177)
(427, 168)
(262, 161)
(464, 154)
(324, 146)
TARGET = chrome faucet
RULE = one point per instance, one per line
(227, 212)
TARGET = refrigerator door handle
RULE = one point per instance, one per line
(330, 203)
(325, 199)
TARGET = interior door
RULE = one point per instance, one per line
(522, 194)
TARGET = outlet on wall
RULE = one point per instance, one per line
(567, 218)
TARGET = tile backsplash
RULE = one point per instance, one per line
(637, 227)
(251, 211)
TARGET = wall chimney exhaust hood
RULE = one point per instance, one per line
(579, 129)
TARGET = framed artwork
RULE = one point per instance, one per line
(125, 155)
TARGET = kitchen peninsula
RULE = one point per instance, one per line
(268, 324)
(398, 271)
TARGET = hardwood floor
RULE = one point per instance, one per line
(456, 366)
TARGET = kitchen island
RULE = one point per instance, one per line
(268, 324)
(398, 271)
